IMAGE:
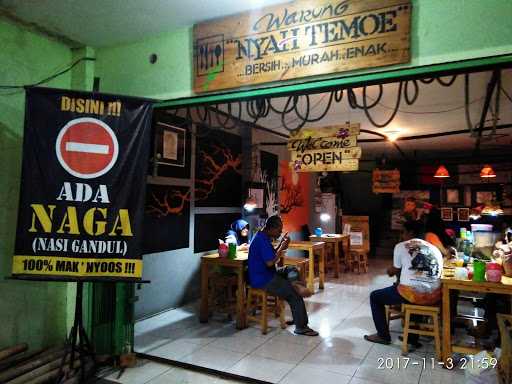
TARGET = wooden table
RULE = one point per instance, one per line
(311, 247)
(449, 283)
(335, 239)
(238, 265)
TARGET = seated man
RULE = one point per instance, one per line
(420, 265)
(263, 273)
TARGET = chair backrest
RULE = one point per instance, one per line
(305, 232)
(505, 363)
(359, 231)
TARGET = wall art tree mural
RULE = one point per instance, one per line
(218, 180)
(166, 218)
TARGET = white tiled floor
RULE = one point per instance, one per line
(341, 313)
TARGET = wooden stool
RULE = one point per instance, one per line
(423, 328)
(393, 312)
(330, 259)
(222, 293)
(505, 361)
(259, 299)
(359, 261)
(347, 262)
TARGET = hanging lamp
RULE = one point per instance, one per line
(442, 172)
(487, 171)
(250, 203)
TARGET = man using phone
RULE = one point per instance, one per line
(263, 273)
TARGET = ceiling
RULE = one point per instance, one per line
(437, 109)
(100, 23)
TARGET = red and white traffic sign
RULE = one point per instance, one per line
(87, 147)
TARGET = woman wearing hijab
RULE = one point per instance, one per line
(435, 234)
(239, 232)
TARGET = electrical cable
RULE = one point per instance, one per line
(467, 115)
(429, 112)
(395, 111)
(51, 77)
(448, 83)
(297, 110)
(411, 101)
(322, 115)
(377, 100)
(506, 94)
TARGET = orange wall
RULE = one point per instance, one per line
(294, 198)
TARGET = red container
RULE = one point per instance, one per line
(223, 250)
(493, 272)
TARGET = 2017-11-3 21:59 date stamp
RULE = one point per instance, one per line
(468, 362)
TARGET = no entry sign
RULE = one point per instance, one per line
(86, 147)
(83, 182)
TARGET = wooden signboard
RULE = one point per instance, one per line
(347, 129)
(300, 39)
(386, 181)
(318, 143)
(325, 149)
(334, 154)
(359, 231)
(318, 166)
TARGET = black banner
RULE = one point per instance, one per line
(81, 205)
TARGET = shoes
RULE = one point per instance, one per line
(305, 332)
(416, 345)
(375, 338)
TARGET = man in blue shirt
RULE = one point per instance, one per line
(263, 273)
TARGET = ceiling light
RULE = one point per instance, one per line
(442, 172)
(487, 172)
(250, 204)
(392, 134)
(324, 217)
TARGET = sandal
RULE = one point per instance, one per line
(375, 338)
(289, 322)
(306, 332)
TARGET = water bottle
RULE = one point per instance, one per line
(232, 251)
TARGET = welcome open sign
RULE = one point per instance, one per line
(332, 148)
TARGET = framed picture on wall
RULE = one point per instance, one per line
(485, 193)
(447, 214)
(463, 214)
(257, 192)
(170, 145)
(453, 196)
(506, 196)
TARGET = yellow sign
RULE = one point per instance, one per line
(75, 267)
(329, 165)
(331, 148)
(348, 129)
(327, 155)
(319, 143)
(300, 39)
